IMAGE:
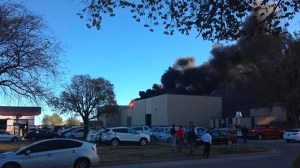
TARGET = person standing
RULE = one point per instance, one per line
(192, 138)
(245, 133)
(180, 136)
(206, 138)
(173, 135)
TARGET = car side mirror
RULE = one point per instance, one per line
(27, 153)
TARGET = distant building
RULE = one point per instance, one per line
(168, 109)
(14, 118)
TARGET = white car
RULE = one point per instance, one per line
(76, 133)
(115, 135)
(5, 136)
(292, 135)
(143, 129)
(95, 136)
(52, 153)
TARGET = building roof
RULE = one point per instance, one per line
(21, 111)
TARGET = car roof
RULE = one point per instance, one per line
(52, 139)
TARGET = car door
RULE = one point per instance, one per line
(65, 153)
(122, 134)
(39, 156)
(2, 137)
(133, 135)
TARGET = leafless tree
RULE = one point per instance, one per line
(29, 56)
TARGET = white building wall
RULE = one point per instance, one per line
(138, 112)
(183, 109)
(158, 110)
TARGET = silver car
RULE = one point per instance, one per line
(52, 153)
(5, 136)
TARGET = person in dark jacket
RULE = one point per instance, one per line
(192, 138)
(173, 134)
(245, 133)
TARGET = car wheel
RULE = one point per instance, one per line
(260, 137)
(169, 140)
(82, 163)
(15, 139)
(11, 165)
(115, 142)
(143, 141)
(288, 140)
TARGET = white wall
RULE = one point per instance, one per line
(183, 109)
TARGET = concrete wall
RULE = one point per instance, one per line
(138, 112)
(159, 110)
(183, 109)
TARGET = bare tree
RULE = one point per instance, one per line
(29, 58)
(86, 97)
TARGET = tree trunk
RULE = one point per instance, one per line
(86, 127)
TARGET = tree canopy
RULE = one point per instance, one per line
(86, 97)
(54, 119)
(213, 20)
(72, 121)
(29, 57)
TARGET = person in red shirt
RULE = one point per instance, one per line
(180, 136)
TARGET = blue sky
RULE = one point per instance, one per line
(123, 51)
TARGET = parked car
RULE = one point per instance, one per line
(117, 135)
(62, 133)
(143, 129)
(292, 135)
(52, 153)
(5, 136)
(265, 131)
(162, 134)
(95, 136)
(220, 137)
(75, 133)
(40, 134)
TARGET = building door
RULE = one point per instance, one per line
(148, 120)
(3, 124)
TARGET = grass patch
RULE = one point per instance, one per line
(158, 151)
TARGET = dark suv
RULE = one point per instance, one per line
(40, 134)
(220, 137)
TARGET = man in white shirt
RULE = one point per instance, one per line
(206, 138)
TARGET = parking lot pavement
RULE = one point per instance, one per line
(282, 157)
